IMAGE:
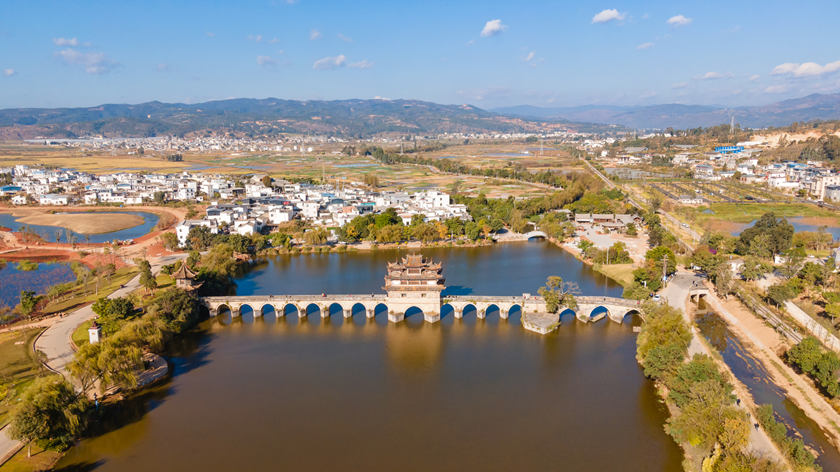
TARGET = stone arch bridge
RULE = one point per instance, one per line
(589, 308)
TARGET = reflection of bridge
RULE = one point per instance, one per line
(589, 308)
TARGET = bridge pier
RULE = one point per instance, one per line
(302, 314)
(503, 314)
(459, 313)
(431, 317)
(396, 317)
(369, 313)
(325, 312)
(481, 314)
(348, 313)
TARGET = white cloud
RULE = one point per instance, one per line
(609, 14)
(714, 76)
(776, 89)
(314, 34)
(66, 42)
(679, 85)
(678, 20)
(346, 39)
(266, 61)
(8, 72)
(755, 77)
(805, 69)
(210, 34)
(273, 41)
(162, 67)
(255, 37)
(363, 64)
(93, 62)
(644, 46)
(492, 28)
(330, 62)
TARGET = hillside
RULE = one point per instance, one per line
(270, 116)
(812, 107)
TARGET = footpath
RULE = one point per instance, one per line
(764, 343)
(676, 294)
(56, 346)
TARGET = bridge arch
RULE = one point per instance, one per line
(334, 307)
(222, 309)
(291, 310)
(567, 316)
(447, 311)
(598, 313)
(632, 316)
(246, 313)
(414, 315)
(470, 311)
(380, 312)
(271, 310)
(492, 308)
(514, 314)
(312, 309)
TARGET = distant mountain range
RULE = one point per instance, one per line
(254, 117)
(365, 118)
(812, 107)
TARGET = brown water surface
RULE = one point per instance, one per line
(335, 394)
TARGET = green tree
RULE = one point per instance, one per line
(723, 280)
(266, 181)
(177, 308)
(656, 255)
(28, 300)
(170, 241)
(774, 235)
(557, 293)
(754, 268)
(663, 341)
(702, 419)
(780, 293)
(147, 279)
(699, 369)
(49, 412)
(111, 312)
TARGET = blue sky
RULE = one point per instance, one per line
(486, 53)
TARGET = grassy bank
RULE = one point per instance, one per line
(621, 273)
(86, 292)
(18, 367)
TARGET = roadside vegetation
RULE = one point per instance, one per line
(704, 419)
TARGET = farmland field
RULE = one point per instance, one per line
(327, 163)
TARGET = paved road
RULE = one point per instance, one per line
(676, 294)
(55, 344)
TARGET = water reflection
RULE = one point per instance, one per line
(305, 393)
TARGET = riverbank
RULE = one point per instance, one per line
(766, 345)
(675, 294)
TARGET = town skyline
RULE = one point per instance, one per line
(625, 53)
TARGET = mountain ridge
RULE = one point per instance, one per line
(811, 107)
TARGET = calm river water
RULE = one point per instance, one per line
(354, 394)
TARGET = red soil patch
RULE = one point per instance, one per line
(94, 260)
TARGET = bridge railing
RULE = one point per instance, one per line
(310, 297)
(607, 301)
